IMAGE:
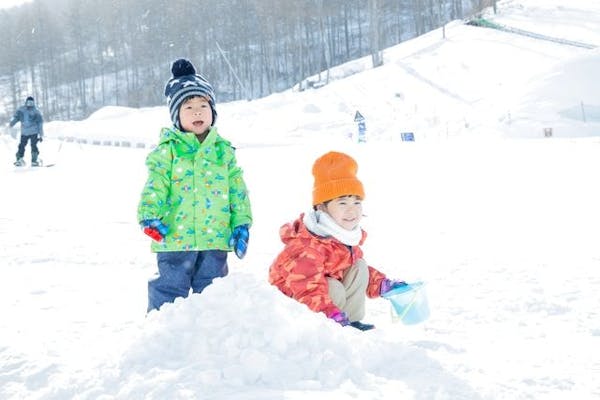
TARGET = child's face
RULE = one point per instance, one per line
(346, 211)
(195, 115)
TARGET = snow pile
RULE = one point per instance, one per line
(243, 334)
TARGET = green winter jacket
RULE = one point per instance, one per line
(196, 189)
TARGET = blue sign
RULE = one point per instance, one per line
(407, 136)
(362, 127)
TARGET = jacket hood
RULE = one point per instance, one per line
(187, 145)
(184, 139)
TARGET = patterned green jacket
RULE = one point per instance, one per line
(196, 189)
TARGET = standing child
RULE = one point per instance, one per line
(195, 204)
(322, 263)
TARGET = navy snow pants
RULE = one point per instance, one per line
(23, 143)
(180, 271)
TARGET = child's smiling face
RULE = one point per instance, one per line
(346, 211)
(195, 115)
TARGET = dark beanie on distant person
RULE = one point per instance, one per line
(184, 84)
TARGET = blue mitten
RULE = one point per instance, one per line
(239, 240)
(389, 285)
(155, 229)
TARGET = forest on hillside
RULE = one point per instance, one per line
(75, 56)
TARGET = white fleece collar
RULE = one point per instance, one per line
(321, 224)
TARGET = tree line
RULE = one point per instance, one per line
(75, 56)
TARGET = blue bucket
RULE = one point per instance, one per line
(409, 303)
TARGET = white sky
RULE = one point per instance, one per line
(12, 3)
(503, 230)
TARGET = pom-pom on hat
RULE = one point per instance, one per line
(186, 83)
(335, 176)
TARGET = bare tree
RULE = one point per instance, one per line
(376, 54)
(12, 59)
(79, 55)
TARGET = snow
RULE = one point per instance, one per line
(501, 222)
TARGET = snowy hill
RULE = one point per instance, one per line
(503, 231)
(475, 82)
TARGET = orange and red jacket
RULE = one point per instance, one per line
(301, 270)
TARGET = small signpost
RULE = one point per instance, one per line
(362, 127)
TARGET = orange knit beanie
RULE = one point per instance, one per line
(335, 176)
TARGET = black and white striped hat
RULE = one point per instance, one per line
(186, 83)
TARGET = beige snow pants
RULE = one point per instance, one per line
(350, 293)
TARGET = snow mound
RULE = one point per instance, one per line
(242, 333)
(246, 333)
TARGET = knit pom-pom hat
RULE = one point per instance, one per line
(335, 176)
(186, 83)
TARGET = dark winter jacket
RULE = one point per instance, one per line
(31, 120)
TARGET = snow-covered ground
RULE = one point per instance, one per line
(501, 222)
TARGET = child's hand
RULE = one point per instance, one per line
(239, 240)
(155, 229)
(388, 285)
(340, 317)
